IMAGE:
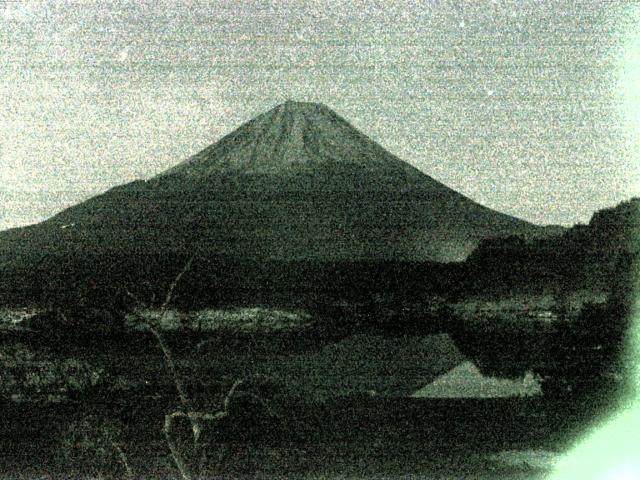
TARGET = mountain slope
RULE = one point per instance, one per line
(296, 182)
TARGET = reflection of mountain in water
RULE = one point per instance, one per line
(466, 381)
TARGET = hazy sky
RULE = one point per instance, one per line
(531, 108)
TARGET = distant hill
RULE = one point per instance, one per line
(297, 183)
(599, 256)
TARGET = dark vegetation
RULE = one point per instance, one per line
(100, 390)
(582, 353)
(597, 256)
(602, 254)
(218, 281)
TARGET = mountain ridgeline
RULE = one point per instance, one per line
(297, 183)
(296, 188)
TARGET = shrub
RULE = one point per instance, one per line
(27, 376)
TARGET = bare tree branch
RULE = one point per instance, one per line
(175, 451)
(175, 282)
(131, 295)
(196, 419)
(227, 399)
(168, 357)
(196, 427)
(123, 459)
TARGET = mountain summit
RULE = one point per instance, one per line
(297, 182)
(294, 138)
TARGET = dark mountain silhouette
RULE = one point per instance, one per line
(296, 183)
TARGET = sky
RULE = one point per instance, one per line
(528, 107)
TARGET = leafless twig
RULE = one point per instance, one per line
(196, 419)
(123, 459)
(174, 284)
(164, 308)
